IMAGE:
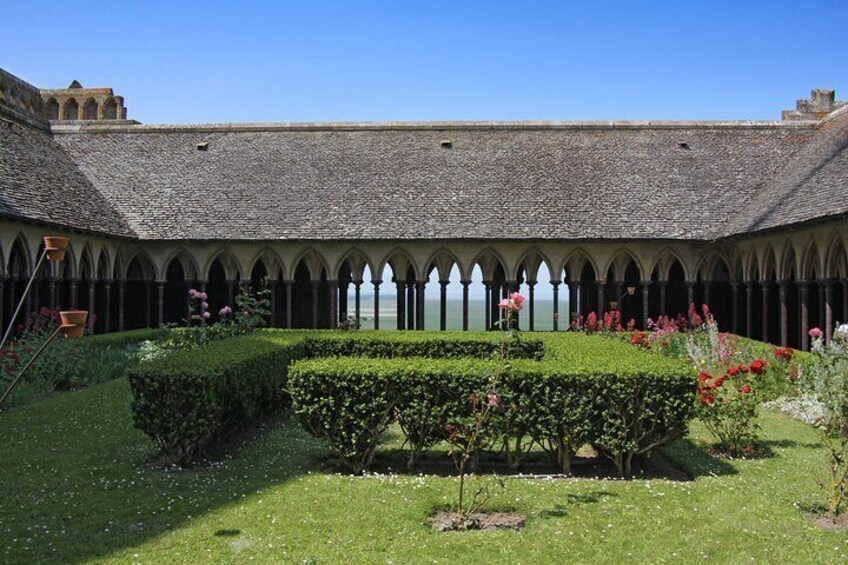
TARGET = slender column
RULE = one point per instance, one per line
(107, 307)
(160, 302)
(531, 287)
(578, 306)
(443, 305)
(821, 302)
(663, 303)
(555, 284)
(573, 306)
(646, 292)
(845, 301)
(783, 294)
(316, 290)
(51, 292)
(803, 306)
(766, 285)
(272, 286)
(231, 293)
(74, 292)
(289, 306)
(734, 289)
(121, 305)
(92, 307)
(749, 308)
(828, 308)
(34, 297)
(334, 304)
(601, 299)
(2, 301)
(357, 300)
(411, 305)
(376, 284)
(488, 318)
(419, 304)
(401, 304)
(690, 293)
(706, 285)
(147, 304)
(344, 286)
(465, 285)
(619, 285)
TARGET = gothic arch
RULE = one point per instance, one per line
(272, 262)
(577, 260)
(619, 262)
(489, 260)
(836, 261)
(314, 262)
(443, 261)
(188, 263)
(357, 261)
(811, 264)
(538, 259)
(398, 258)
(232, 268)
(663, 262)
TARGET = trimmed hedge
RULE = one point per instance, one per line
(349, 402)
(184, 400)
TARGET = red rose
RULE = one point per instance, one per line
(745, 389)
(757, 367)
(708, 399)
(732, 372)
(743, 368)
(703, 376)
(719, 382)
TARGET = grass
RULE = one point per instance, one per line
(75, 489)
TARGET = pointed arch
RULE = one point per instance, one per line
(488, 259)
(20, 263)
(619, 262)
(188, 263)
(87, 266)
(232, 268)
(575, 264)
(810, 265)
(663, 261)
(314, 261)
(836, 261)
(104, 265)
(768, 264)
(270, 260)
(443, 261)
(534, 258)
(146, 267)
(400, 261)
(356, 261)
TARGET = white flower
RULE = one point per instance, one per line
(842, 330)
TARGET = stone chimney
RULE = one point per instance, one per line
(821, 103)
(77, 103)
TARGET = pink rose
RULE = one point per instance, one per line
(204, 305)
(815, 333)
(504, 304)
(206, 315)
(192, 293)
(517, 298)
(202, 295)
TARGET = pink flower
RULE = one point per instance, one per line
(225, 311)
(504, 304)
(517, 298)
(206, 315)
(202, 295)
(204, 305)
(192, 293)
(815, 333)
(493, 399)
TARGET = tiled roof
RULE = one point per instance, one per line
(39, 181)
(400, 181)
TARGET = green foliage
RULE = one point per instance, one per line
(186, 399)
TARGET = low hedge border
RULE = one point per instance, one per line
(412, 345)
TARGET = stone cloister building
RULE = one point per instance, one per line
(748, 217)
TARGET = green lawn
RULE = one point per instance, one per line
(74, 488)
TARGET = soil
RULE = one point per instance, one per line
(828, 521)
(449, 521)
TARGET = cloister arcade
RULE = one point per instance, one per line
(772, 287)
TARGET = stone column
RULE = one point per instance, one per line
(160, 302)
(272, 286)
(147, 305)
(343, 305)
(465, 285)
(573, 300)
(646, 292)
(288, 285)
(376, 284)
(419, 304)
(766, 285)
(411, 305)
(357, 300)
(619, 286)
(531, 314)
(121, 305)
(828, 308)
(734, 289)
(488, 317)
(443, 305)
(601, 299)
(2, 302)
(804, 314)
(663, 301)
(749, 308)
(401, 304)
(783, 294)
(690, 293)
(555, 284)
(316, 290)
(92, 307)
(12, 302)
(74, 292)
(845, 301)
(821, 302)
(706, 285)
(231, 293)
(107, 307)
(51, 292)
(334, 304)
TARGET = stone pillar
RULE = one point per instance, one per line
(766, 285)
(845, 301)
(488, 317)
(531, 314)
(92, 307)
(443, 305)
(2, 302)
(646, 292)
(376, 284)
(555, 284)
(663, 301)
(619, 285)
(272, 286)
(231, 293)
(121, 305)
(334, 304)
(343, 305)
(601, 299)
(411, 305)
(734, 289)
(827, 285)
(51, 292)
(316, 290)
(289, 306)
(821, 302)
(465, 285)
(804, 313)
(573, 300)
(147, 305)
(706, 285)
(690, 293)
(401, 304)
(12, 302)
(419, 304)
(73, 289)
(160, 302)
(749, 308)
(107, 306)
(782, 288)
(357, 301)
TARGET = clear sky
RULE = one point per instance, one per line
(199, 62)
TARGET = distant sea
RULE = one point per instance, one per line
(543, 314)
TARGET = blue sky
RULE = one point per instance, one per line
(306, 61)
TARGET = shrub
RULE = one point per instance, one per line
(184, 400)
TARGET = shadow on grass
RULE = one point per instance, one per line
(695, 460)
(574, 499)
(76, 486)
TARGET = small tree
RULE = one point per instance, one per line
(827, 380)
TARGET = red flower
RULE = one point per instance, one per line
(708, 399)
(743, 368)
(733, 371)
(719, 382)
(758, 367)
(745, 389)
(703, 376)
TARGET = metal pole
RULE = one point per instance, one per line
(29, 364)
(21, 303)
